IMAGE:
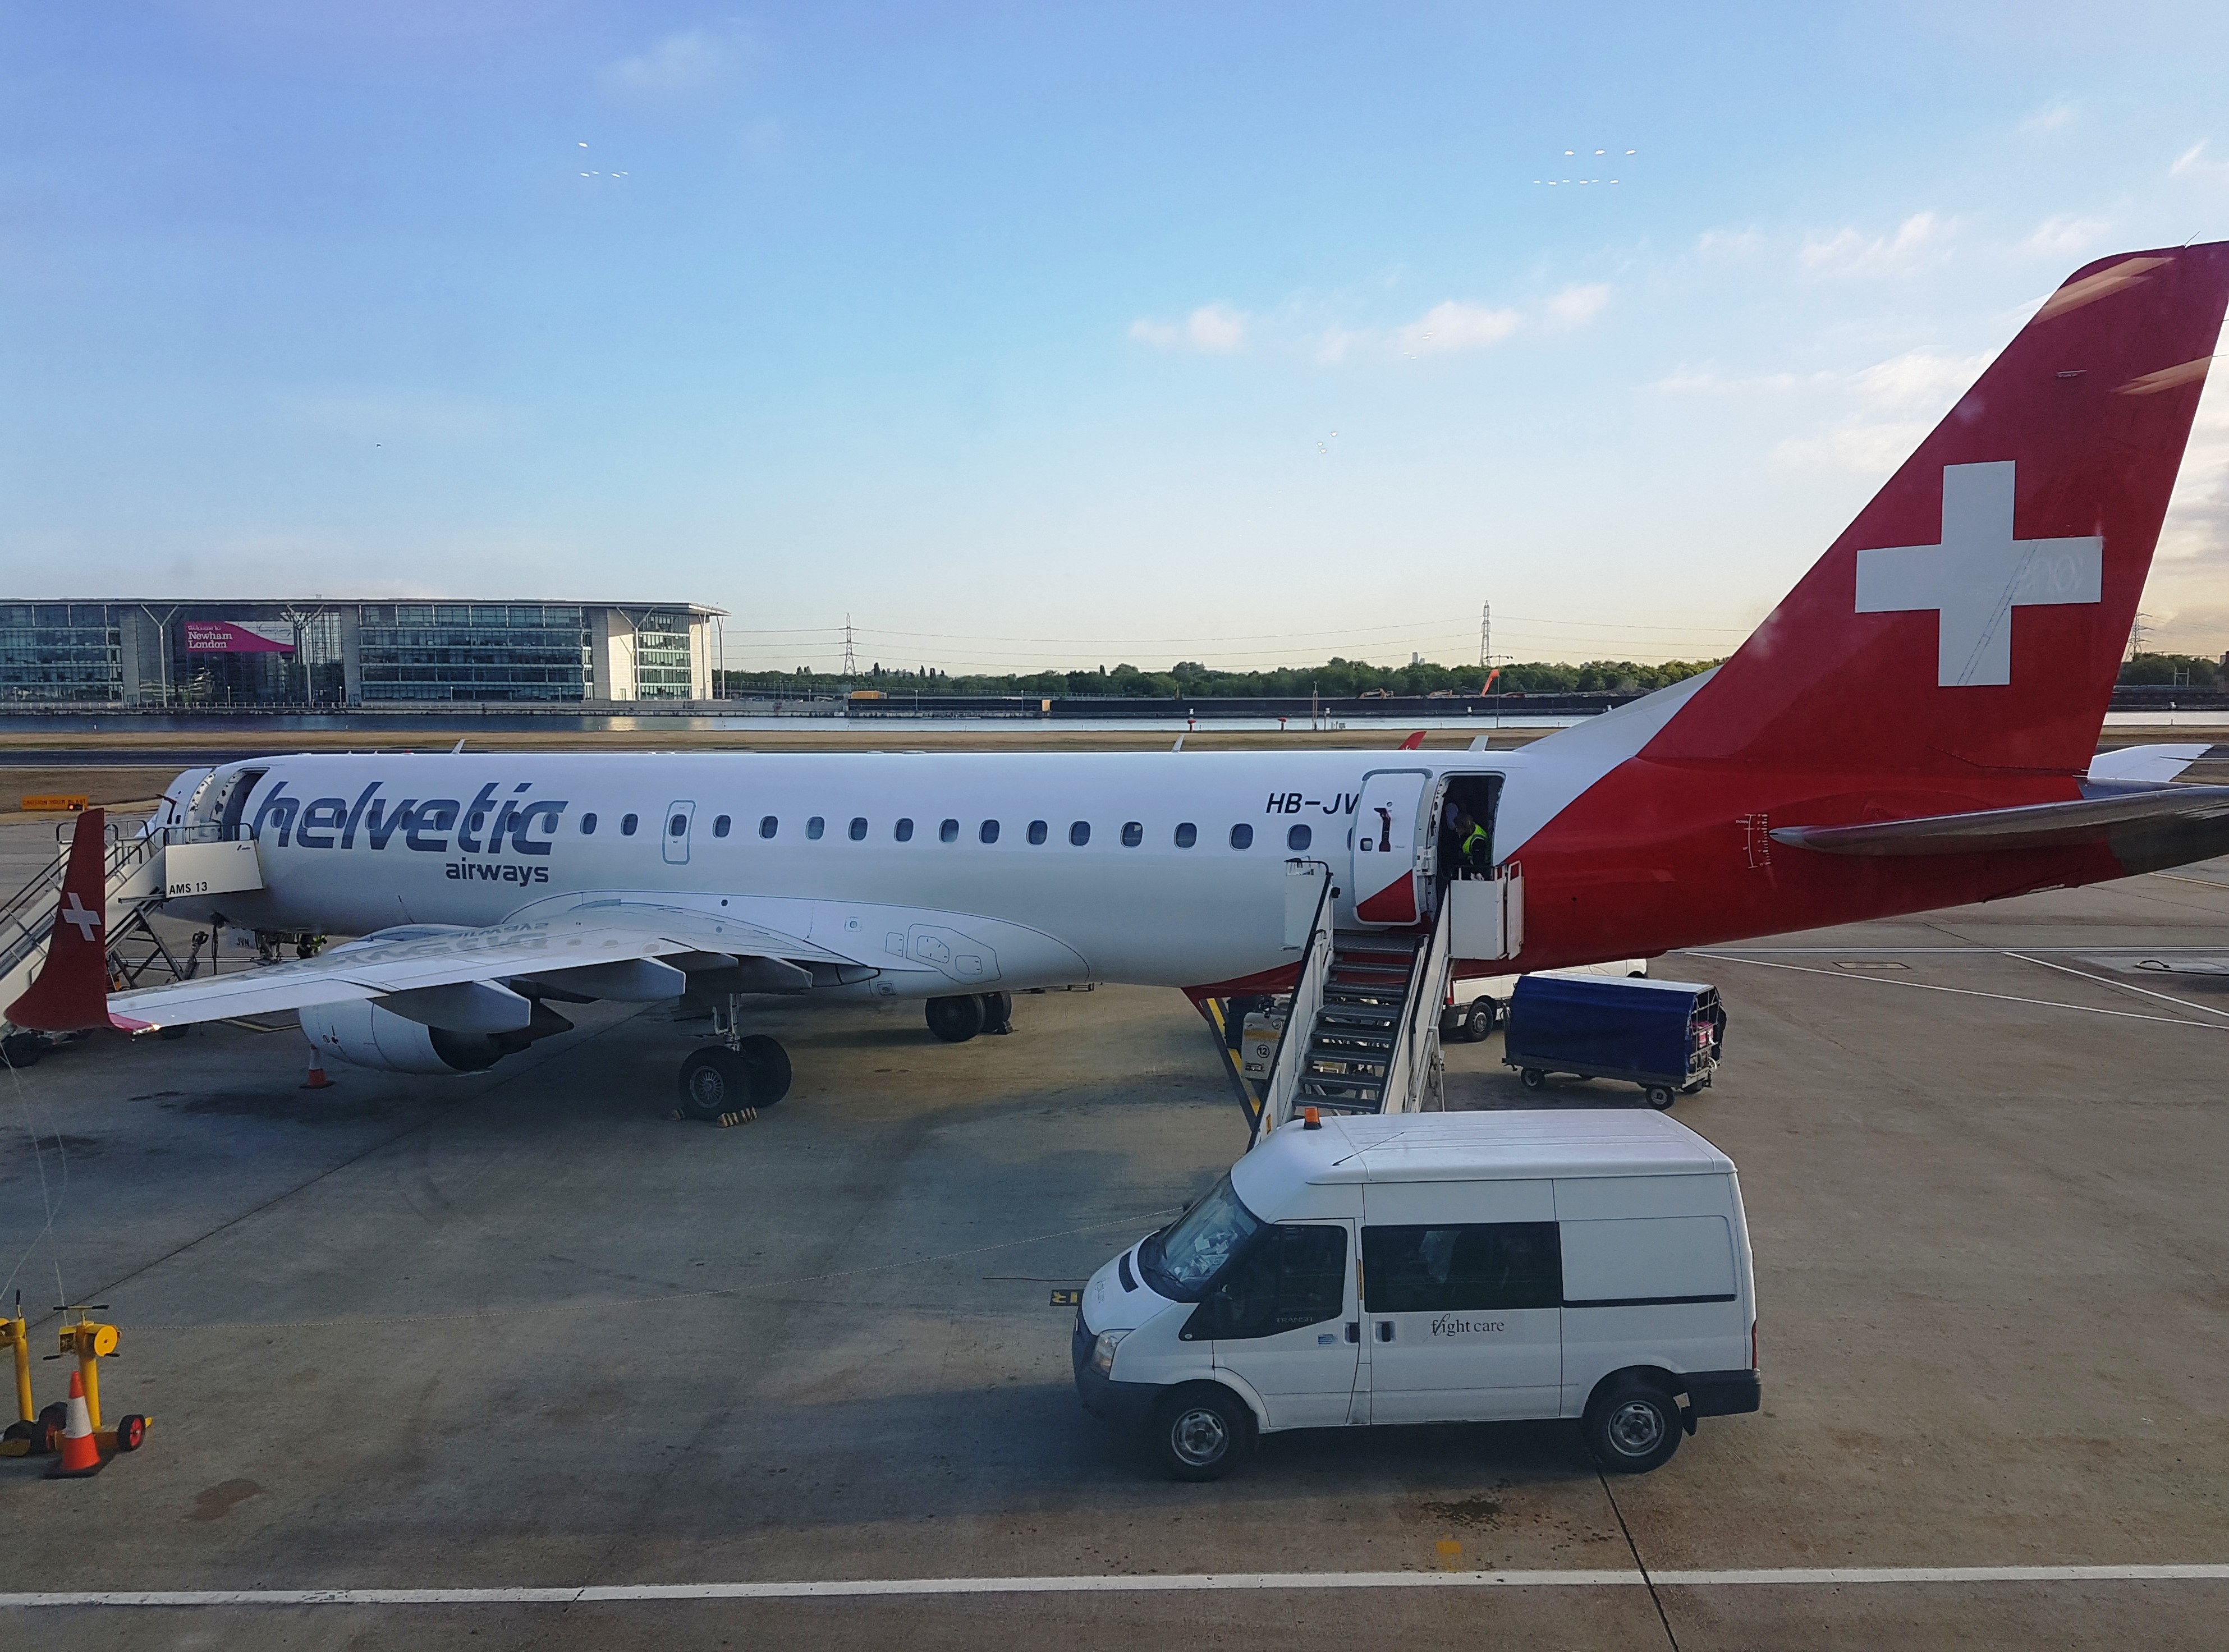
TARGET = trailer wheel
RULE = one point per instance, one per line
(1660, 1097)
(130, 1432)
(1532, 1077)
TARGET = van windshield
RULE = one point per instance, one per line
(1182, 1259)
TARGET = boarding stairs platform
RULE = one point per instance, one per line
(133, 866)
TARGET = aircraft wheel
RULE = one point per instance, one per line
(768, 1065)
(998, 1012)
(716, 1080)
(22, 1048)
(956, 1020)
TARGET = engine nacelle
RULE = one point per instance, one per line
(363, 1035)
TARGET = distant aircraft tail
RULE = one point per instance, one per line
(71, 991)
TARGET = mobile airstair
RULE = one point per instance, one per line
(1363, 1033)
(133, 868)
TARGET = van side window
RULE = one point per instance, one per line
(1479, 1264)
(1289, 1278)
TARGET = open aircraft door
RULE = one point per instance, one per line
(1390, 838)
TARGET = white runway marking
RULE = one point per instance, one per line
(1177, 1583)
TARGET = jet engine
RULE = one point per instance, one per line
(364, 1035)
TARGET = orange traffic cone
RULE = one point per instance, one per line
(80, 1456)
(316, 1080)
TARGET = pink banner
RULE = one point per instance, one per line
(226, 637)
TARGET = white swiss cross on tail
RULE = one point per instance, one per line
(1978, 576)
(81, 917)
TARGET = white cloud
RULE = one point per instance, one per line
(1873, 449)
(1918, 379)
(685, 63)
(2065, 235)
(1213, 329)
(2192, 163)
(1452, 325)
(2049, 118)
(1849, 253)
(1576, 306)
(1702, 381)
(1901, 399)
(1729, 243)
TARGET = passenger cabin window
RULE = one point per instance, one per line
(1289, 1278)
(1479, 1264)
(903, 832)
(989, 834)
(1080, 833)
(720, 823)
(1187, 835)
(1133, 834)
(859, 828)
(768, 825)
(677, 826)
(1299, 837)
(1242, 837)
(815, 827)
(589, 824)
(1037, 831)
(947, 832)
(627, 824)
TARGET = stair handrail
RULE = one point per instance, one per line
(1284, 1080)
(1420, 1043)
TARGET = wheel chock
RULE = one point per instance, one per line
(728, 1121)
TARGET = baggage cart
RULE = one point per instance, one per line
(1665, 1036)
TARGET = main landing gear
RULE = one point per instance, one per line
(743, 1071)
(957, 1019)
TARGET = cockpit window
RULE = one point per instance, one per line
(1181, 1261)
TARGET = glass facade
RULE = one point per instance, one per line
(662, 668)
(327, 653)
(60, 651)
(475, 651)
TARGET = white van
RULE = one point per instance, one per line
(1436, 1267)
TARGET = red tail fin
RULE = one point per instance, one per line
(1969, 625)
(1414, 743)
(71, 992)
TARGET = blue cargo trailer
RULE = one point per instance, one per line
(1665, 1036)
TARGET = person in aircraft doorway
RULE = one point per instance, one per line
(1474, 845)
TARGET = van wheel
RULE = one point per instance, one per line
(1479, 1021)
(1201, 1433)
(1660, 1095)
(1632, 1425)
(1532, 1077)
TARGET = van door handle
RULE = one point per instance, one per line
(1385, 1330)
(1353, 1331)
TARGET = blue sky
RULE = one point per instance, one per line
(1021, 334)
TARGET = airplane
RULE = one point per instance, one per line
(1913, 727)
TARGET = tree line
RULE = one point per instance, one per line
(1337, 679)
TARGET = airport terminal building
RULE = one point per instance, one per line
(320, 652)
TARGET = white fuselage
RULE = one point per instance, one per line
(487, 837)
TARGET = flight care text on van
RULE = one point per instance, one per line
(1445, 1326)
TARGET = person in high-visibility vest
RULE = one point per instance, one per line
(1474, 845)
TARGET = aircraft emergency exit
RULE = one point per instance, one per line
(1911, 728)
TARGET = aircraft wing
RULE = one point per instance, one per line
(622, 950)
(2116, 820)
